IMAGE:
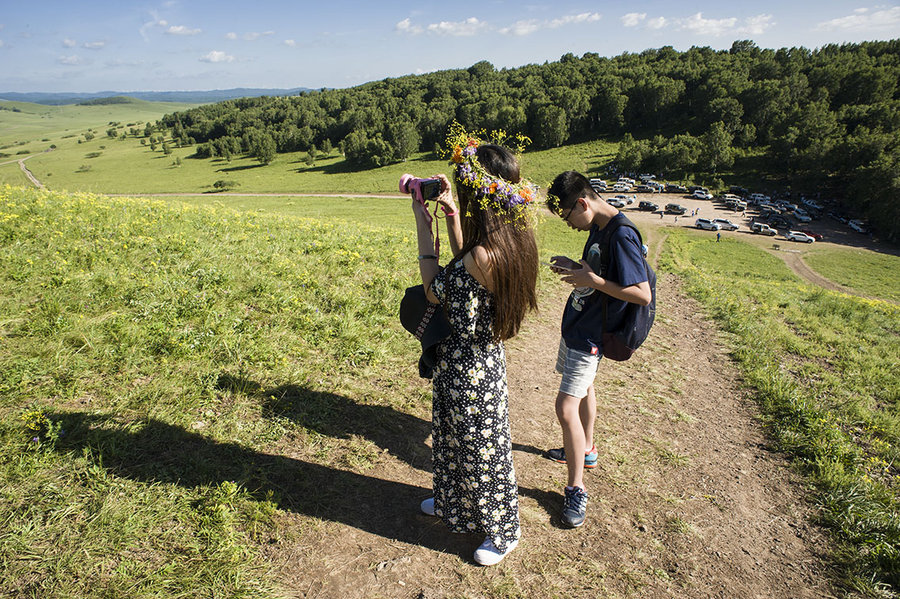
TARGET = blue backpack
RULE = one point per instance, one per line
(620, 344)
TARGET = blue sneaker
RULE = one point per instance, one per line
(574, 507)
(559, 455)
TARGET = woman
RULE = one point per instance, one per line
(486, 290)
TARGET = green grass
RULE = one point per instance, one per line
(172, 345)
(824, 367)
(865, 271)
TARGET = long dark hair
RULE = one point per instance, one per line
(511, 246)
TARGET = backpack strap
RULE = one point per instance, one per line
(611, 228)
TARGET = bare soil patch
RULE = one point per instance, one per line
(688, 499)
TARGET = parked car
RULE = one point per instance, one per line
(736, 205)
(737, 189)
(702, 195)
(675, 209)
(647, 206)
(858, 226)
(813, 234)
(798, 236)
(596, 181)
(726, 224)
(645, 189)
(616, 202)
(759, 197)
(624, 198)
(621, 187)
(779, 221)
(671, 188)
(763, 229)
(706, 224)
(802, 216)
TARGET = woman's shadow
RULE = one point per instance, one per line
(158, 452)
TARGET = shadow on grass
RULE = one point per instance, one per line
(243, 167)
(157, 452)
(336, 416)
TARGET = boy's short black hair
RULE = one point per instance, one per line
(565, 190)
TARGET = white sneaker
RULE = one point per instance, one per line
(488, 555)
(427, 506)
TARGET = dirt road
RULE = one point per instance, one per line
(687, 501)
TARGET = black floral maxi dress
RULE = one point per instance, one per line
(474, 481)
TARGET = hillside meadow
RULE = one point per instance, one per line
(158, 354)
(115, 165)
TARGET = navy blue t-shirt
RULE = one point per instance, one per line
(582, 322)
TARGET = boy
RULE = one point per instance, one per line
(580, 348)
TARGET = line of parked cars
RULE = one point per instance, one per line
(715, 224)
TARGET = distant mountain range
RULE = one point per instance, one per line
(191, 97)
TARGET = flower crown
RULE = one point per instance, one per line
(504, 198)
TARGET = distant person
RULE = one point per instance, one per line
(581, 346)
(718, 237)
(486, 290)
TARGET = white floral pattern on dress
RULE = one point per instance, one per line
(474, 481)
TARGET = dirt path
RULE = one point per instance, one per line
(28, 173)
(794, 260)
(688, 501)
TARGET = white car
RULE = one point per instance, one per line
(802, 216)
(621, 187)
(706, 224)
(858, 226)
(726, 224)
(702, 195)
(798, 236)
(624, 198)
(616, 202)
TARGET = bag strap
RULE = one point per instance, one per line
(611, 228)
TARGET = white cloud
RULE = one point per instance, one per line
(217, 56)
(69, 43)
(255, 35)
(633, 19)
(473, 26)
(70, 61)
(231, 35)
(522, 27)
(531, 26)
(466, 28)
(657, 23)
(290, 43)
(700, 26)
(156, 22)
(182, 30)
(865, 20)
(406, 26)
(585, 17)
(756, 25)
(94, 45)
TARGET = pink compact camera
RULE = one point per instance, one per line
(422, 190)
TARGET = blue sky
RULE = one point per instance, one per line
(163, 45)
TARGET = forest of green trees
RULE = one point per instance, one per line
(823, 122)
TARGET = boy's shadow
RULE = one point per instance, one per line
(158, 452)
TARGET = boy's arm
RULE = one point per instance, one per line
(586, 277)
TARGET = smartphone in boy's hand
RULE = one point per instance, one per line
(563, 265)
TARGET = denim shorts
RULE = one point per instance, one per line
(577, 368)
